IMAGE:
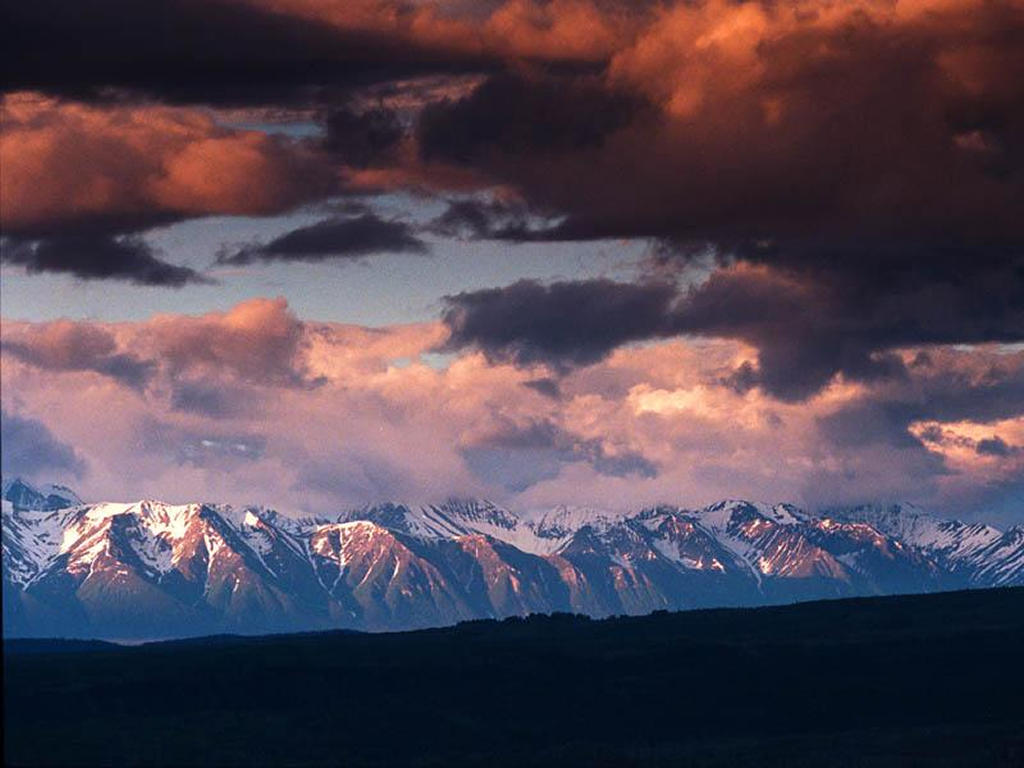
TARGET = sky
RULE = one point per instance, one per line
(599, 253)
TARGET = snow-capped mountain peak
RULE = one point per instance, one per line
(22, 494)
(148, 567)
(960, 547)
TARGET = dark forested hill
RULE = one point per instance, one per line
(922, 680)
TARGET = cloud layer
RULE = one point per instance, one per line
(257, 405)
(832, 305)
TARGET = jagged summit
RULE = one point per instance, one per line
(153, 569)
(24, 495)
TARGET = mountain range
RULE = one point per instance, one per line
(150, 570)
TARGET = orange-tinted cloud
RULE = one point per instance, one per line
(560, 30)
(778, 120)
(71, 162)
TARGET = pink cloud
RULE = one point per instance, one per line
(650, 424)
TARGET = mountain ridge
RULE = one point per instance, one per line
(149, 569)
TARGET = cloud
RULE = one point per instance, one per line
(849, 217)
(517, 457)
(258, 341)
(466, 216)
(558, 32)
(830, 310)
(256, 405)
(488, 219)
(254, 52)
(835, 191)
(210, 398)
(993, 446)
(545, 386)
(708, 120)
(203, 448)
(808, 324)
(72, 170)
(509, 116)
(215, 51)
(346, 238)
(887, 416)
(725, 120)
(64, 345)
(30, 449)
(564, 323)
(98, 256)
(940, 420)
(363, 138)
(561, 30)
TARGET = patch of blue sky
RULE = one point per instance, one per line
(377, 290)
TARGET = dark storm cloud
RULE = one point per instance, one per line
(809, 326)
(363, 138)
(344, 238)
(509, 115)
(815, 143)
(545, 386)
(851, 216)
(97, 255)
(466, 217)
(809, 319)
(563, 324)
(30, 449)
(993, 446)
(477, 218)
(935, 159)
(199, 51)
(816, 310)
(741, 380)
(886, 417)
(871, 423)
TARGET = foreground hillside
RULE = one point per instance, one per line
(154, 570)
(923, 680)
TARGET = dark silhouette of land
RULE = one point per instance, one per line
(934, 680)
